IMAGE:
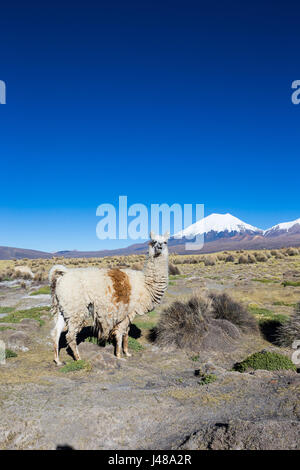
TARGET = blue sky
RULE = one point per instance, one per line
(162, 101)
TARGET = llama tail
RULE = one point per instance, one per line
(56, 272)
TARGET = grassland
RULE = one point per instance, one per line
(268, 284)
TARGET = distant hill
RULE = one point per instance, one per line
(7, 252)
(220, 232)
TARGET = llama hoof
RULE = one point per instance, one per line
(127, 354)
(58, 363)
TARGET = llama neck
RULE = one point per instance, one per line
(156, 273)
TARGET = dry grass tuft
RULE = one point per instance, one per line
(289, 331)
(174, 270)
(225, 308)
(183, 324)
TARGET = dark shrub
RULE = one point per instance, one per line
(292, 252)
(209, 261)
(174, 270)
(229, 259)
(261, 257)
(251, 259)
(183, 324)
(224, 307)
(290, 330)
(203, 322)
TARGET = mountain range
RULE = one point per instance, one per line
(219, 232)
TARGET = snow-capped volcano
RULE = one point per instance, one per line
(219, 224)
(285, 227)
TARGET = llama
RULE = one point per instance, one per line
(109, 297)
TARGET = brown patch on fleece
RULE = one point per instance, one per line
(121, 285)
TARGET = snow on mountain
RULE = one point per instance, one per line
(283, 227)
(217, 223)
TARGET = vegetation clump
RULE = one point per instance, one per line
(42, 290)
(225, 308)
(75, 365)
(185, 323)
(265, 360)
(206, 379)
(134, 344)
(173, 269)
(289, 331)
(9, 353)
(34, 313)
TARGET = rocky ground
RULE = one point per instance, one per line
(153, 400)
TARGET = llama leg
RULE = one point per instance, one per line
(55, 333)
(71, 340)
(118, 347)
(125, 344)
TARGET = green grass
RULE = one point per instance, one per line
(264, 314)
(195, 358)
(34, 313)
(206, 379)
(9, 353)
(134, 344)
(265, 360)
(177, 276)
(74, 366)
(6, 309)
(42, 290)
(291, 283)
(172, 283)
(265, 281)
(152, 314)
(3, 328)
(144, 325)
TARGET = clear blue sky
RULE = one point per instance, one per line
(162, 101)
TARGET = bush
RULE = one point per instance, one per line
(9, 353)
(229, 259)
(251, 259)
(261, 257)
(137, 266)
(265, 360)
(243, 259)
(174, 270)
(289, 331)
(206, 379)
(183, 324)
(292, 252)
(224, 307)
(209, 261)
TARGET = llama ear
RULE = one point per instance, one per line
(167, 235)
(152, 235)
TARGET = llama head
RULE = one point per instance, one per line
(158, 244)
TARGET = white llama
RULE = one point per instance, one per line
(110, 297)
